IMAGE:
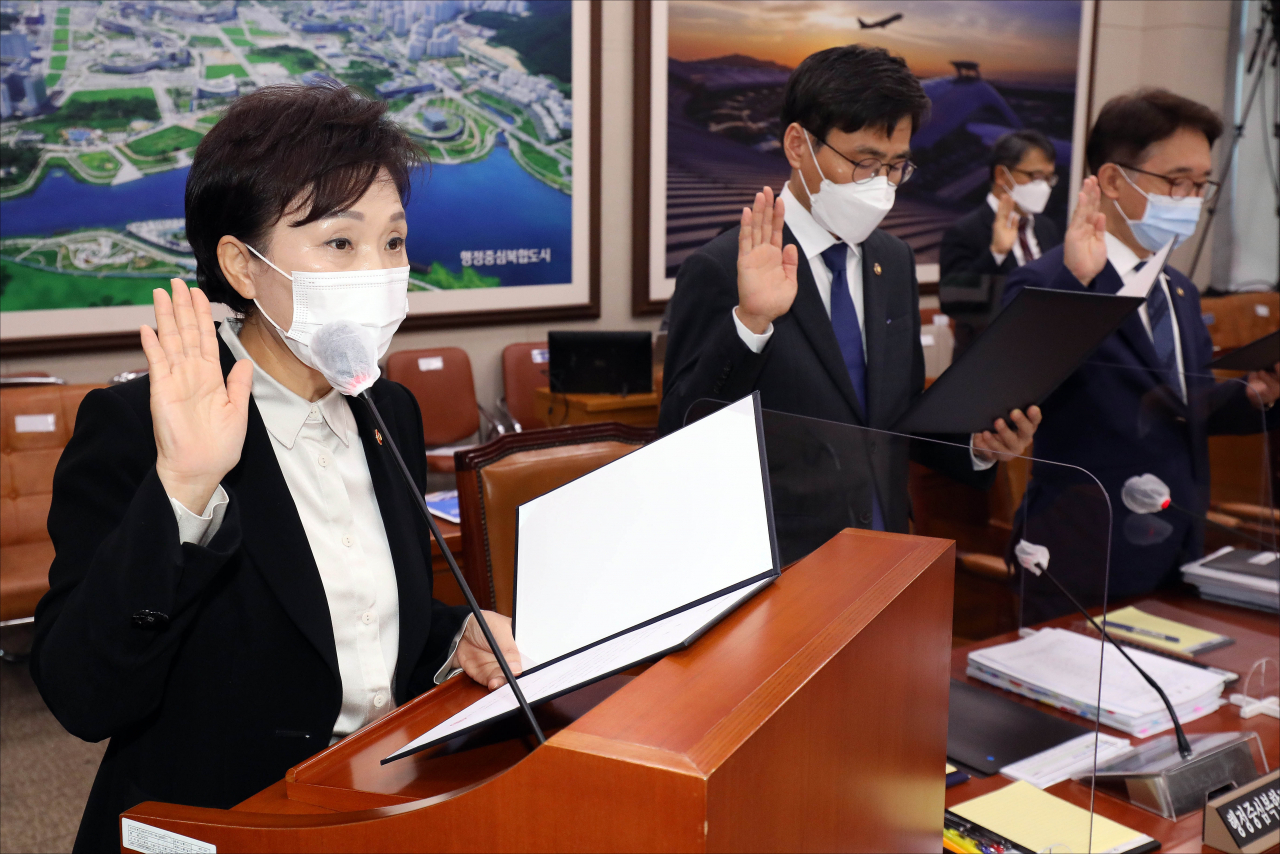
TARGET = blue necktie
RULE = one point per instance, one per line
(844, 322)
(1161, 320)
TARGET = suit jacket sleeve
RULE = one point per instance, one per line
(117, 554)
(1229, 409)
(964, 256)
(446, 620)
(953, 458)
(705, 356)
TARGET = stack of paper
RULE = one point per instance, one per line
(1068, 759)
(1238, 577)
(1061, 668)
(1038, 821)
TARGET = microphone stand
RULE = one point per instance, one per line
(420, 503)
(1184, 746)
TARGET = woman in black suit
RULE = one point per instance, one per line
(240, 578)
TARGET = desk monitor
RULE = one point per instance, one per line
(601, 362)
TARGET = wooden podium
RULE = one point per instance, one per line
(813, 718)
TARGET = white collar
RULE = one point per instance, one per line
(813, 238)
(994, 204)
(1121, 256)
(283, 412)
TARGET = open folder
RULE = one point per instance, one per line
(1259, 355)
(1027, 352)
(634, 560)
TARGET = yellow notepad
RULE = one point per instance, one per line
(1037, 820)
(1156, 632)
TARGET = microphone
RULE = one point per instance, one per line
(345, 355)
(1146, 493)
(1035, 559)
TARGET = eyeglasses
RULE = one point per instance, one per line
(865, 170)
(1050, 178)
(1181, 187)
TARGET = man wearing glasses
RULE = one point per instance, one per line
(1144, 402)
(1000, 235)
(821, 314)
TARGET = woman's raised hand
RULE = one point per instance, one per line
(766, 269)
(199, 420)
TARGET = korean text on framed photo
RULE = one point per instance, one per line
(710, 76)
(106, 102)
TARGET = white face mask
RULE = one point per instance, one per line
(377, 300)
(1165, 218)
(849, 211)
(1032, 196)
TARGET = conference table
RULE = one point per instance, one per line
(1257, 636)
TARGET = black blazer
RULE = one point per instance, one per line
(966, 245)
(212, 669)
(1113, 418)
(801, 370)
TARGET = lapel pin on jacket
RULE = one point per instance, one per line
(377, 434)
(876, 268)
(1181, 293)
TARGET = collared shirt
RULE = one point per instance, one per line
(322, 459)
(1124, 260)
(814, 240)
(1018, 256)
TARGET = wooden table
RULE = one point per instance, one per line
(638, 410)
(1257, 636)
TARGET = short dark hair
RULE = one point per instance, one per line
(852, 87)
(321, 146)
(1013, 146)
(1129, 124)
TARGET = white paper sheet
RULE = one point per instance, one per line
(608, 657)
(1139, 284)
(671, 523)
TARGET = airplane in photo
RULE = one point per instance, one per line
(863, 25)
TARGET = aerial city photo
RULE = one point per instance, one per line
(103, 103)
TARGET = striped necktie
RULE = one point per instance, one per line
(1160, 318)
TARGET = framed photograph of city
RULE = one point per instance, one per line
(103, 104)
(710, 75)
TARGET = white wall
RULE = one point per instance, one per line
(484, 345)
(1180, 45)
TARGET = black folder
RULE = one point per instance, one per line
(1026, 352)
(987, 731)
(1260, 355)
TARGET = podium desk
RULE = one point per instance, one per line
(812, 718)
(1257, 635)
(635, 410)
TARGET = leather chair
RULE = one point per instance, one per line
(440, 379)
(496, 478)
(37, 423)
(525, 368)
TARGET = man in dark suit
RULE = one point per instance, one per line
(1145, 402)
(821, 315)
(1000, 235)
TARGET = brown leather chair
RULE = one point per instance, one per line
(440, 378)
(497, 477)
(525, 368)
(37, 423)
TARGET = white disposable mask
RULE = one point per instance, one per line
(849, 211)
(1165, 219)
(377, 300)
(1032, 196)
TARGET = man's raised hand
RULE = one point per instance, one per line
(199, 420)
(766, 269)
(1084, 247)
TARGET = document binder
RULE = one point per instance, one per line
(1027, 352)
(1259, 355)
